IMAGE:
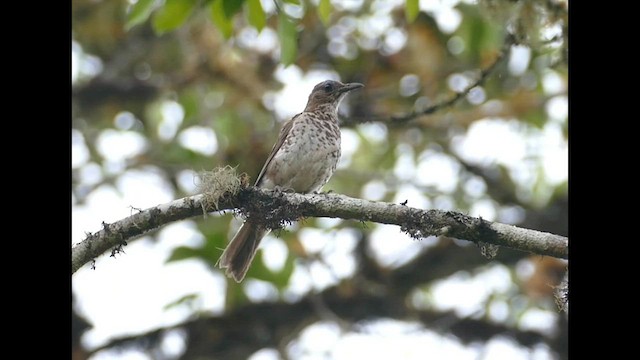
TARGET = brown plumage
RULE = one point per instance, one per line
(303, 159)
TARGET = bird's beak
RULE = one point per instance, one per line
(351, 86)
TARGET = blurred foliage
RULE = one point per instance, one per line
(177, 65)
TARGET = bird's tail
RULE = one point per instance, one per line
(238, 255)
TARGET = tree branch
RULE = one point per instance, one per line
(274, 208)
(398, 120)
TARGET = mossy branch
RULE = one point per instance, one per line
(275, 208)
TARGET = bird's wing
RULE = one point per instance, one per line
(283, 135)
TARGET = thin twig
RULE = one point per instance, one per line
(484, 74)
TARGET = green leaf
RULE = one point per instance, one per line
(297, 2)
(412, 9)
(215, 232)
(478, 34)
(283, 276)
(220, 19)
(190, 99)
(288, 40)
(255, 14)
(536, 118)
(172, 15)
(231, 7)
(184, 252)
(324, 11)
(139, 12)
(280, 279)
(187, 299)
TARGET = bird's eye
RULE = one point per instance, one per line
(328, 87)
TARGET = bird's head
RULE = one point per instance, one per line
(329, 93)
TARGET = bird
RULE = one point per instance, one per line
(302, 160)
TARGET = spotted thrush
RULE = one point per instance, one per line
(303, 159)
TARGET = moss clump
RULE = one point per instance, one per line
(217, 183)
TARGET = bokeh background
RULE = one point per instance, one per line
(162, 90)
